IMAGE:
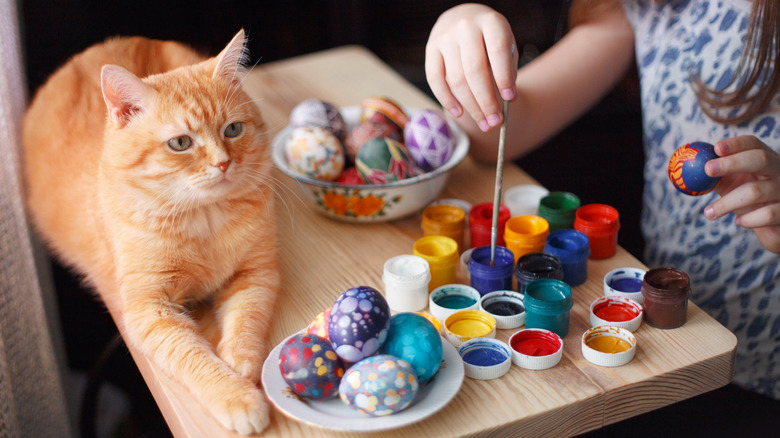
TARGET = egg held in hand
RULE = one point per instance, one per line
(686, 168)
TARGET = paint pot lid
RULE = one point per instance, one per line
(469, 324)
(506, 306)
(452, 290)
(608, 359)
(629, 275)
(536, 349)
(616, 311)
(485, 358)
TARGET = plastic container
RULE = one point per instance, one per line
(486, 277)
(616, 311)
(485, 358)
(406, 279)
(559, 208)
(526, 234)
(573, 249)
(441, 252)
(601, 223)
(506, 306)
(536, 349)
(524, 199)
(450, 298)
(608, 346)
(481, 222)
(666, 291)
(625, 282)
(469, 324)
(548, 303)
(444, 220)
(537, 265)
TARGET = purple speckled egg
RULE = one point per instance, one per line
(310, 366)
(686, 168)
(429, 139)
(321, 114)
(379, 385)
(315, 152)
(384, 160)
(358, 324)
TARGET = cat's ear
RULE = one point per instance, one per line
(124, 93)
(230, 62)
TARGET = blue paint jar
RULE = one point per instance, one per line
(548, 303)
(486, 278)
(573, 249)
(537, 265)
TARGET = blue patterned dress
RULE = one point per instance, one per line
(733, 277)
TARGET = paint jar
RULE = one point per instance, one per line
(406, 279)
(573, 249)
(666, 291)
(506, 306)
(559, 208)
(487, 277)
(465, 256)
(548, 303)
(481, 222)
(600, 222)
(537, 265)
(526, 234)
(441, 252)
(524, 199)
(444, 220)
(625, 282)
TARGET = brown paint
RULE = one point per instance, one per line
(666, 291)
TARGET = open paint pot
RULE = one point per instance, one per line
(625, 282)
(616, 311)
(469, 324)
(608, 346)
(666, 291)
(450, 298)
(536, 349)
(485, 358)
(506, 306)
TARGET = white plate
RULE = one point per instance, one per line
(334, 414)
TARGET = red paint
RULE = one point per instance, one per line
(535, 343)
(615, 312)
(293, 355)
(300, 388)
(307, 354)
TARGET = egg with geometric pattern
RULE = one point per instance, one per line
(429, 139)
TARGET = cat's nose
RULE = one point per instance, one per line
(223, 166)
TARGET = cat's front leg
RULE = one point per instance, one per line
(244, 312)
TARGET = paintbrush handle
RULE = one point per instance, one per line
(499, 183)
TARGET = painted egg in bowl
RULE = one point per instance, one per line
(372, 202)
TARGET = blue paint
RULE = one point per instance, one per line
(626, 284)
(486, 277)
(484, 356)
(573, 249)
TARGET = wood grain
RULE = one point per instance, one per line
(321, 258)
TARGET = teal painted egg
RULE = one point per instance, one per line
(379, 385)
(414, 338)
(382, 161)
(311, 367)
(315, 152)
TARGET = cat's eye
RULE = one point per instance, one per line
(234, 129)
(179, 144)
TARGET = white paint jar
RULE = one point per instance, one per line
(406, 279)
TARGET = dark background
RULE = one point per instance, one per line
(599, 158)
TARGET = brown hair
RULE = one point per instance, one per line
(759, 64)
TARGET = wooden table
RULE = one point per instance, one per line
(321, 258)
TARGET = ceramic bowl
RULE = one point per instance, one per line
(372, 203)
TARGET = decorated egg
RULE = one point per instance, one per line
(358, 323)
(429, 139)
(686, 168)
(379, 385)
(315, 152)
(383, 160)
(384, 106)
(319, 325)
(310, 367)
(414, 338)
(377, 127)
(350, 177)
(314, 112)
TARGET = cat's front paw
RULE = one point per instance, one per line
(247, 363)
(246, 412)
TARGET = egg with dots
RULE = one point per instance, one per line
(384, 107)
(319, 325)
(379, 385)
(358, 323)
(311, 367)
(414, 338)
(317, 113)
(686, 168)
(382, 161)
(429, 139)
(315, 152)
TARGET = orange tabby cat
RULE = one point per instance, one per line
(158, 191)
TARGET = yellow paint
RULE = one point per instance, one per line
(470, 328)
(608, 344)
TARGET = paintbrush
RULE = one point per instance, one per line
(499, 183)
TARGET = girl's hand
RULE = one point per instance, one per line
(469, 48)
(749, 187)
